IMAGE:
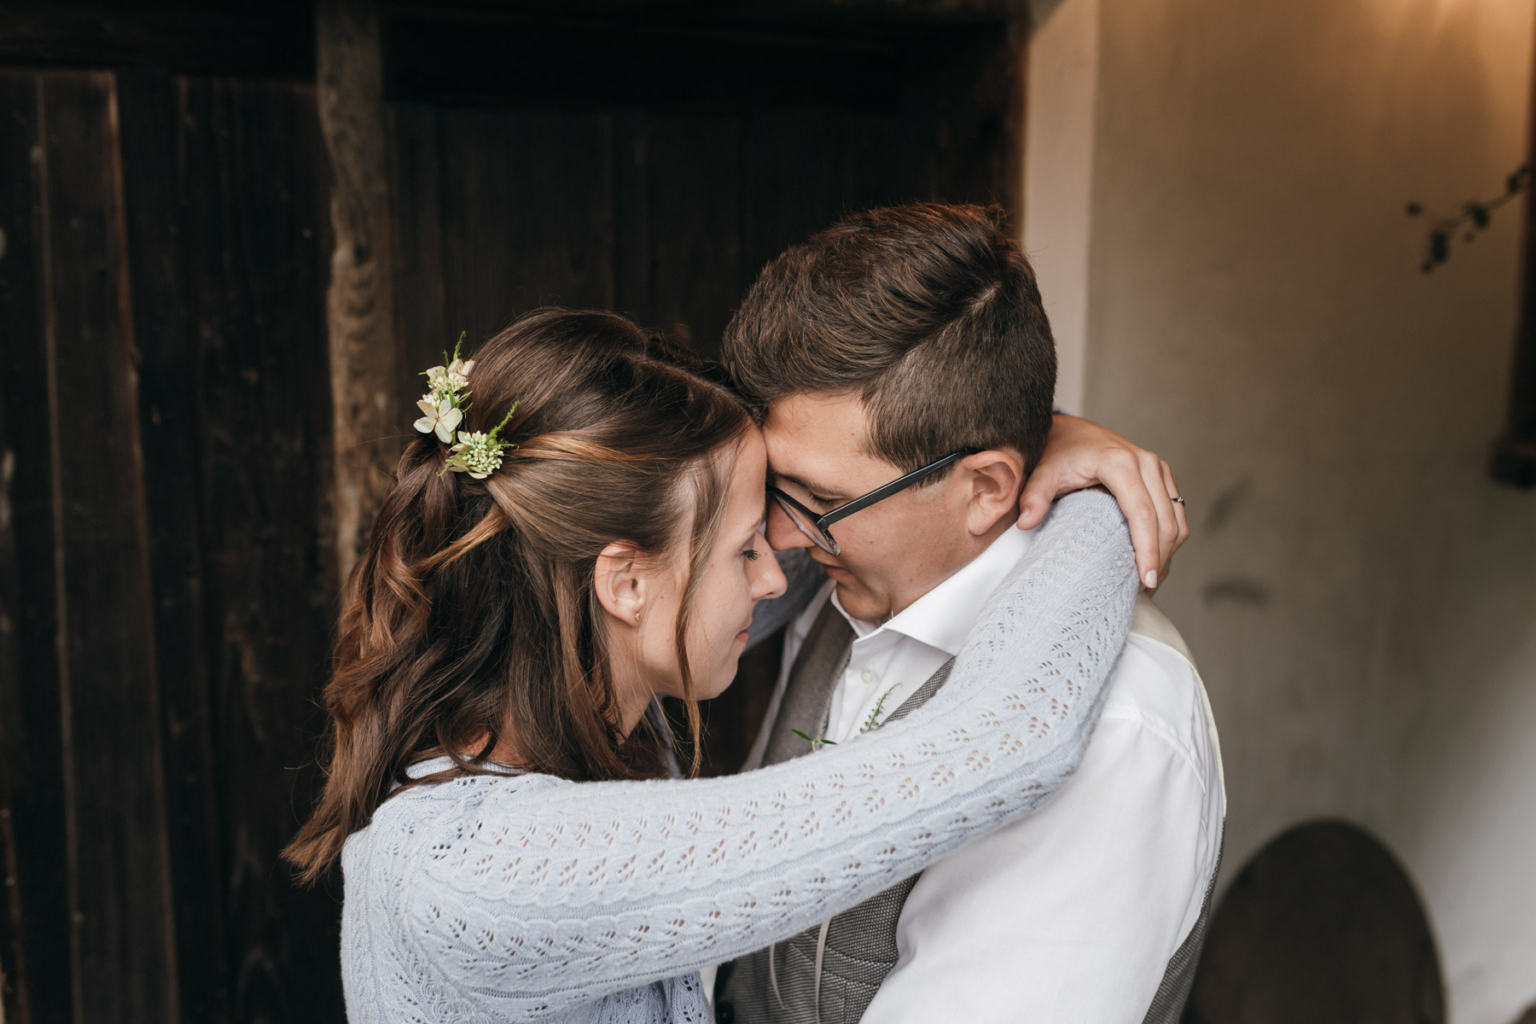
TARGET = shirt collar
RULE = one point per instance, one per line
(944, 616)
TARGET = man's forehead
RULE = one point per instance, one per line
(817, 438)
(816, 423)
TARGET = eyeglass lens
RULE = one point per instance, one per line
(806, 526)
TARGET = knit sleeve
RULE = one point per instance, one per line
(528, 898)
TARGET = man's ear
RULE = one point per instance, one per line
(995, 477)
(622, 587)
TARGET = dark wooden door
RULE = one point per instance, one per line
(166, 577)
(629, 188)
(165, 422)
(572, 171)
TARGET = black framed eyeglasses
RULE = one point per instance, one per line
(816, 527)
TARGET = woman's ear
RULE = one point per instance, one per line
(622, 586)
(996, 476)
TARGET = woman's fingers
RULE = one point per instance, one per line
(1180, 510)
(1080, 454)
(1043, 487)
(1151, 468)
(1120, 472)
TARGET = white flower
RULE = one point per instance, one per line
(477, 454)
(441, 417)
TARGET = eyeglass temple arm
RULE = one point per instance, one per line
(889, 489)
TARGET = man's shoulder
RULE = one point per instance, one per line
(1156, 687)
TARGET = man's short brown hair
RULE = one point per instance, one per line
(929, 312)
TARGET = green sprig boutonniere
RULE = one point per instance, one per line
(816, 742)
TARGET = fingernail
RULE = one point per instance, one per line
(1152, 579)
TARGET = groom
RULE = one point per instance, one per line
(902, 362)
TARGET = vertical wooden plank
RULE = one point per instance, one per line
(528, 214)
(150, 105)
(961, 118)
(115, 854)
(257, 243)
(36, 958)
(696, 198)
(678, 220)
(796, 179)
(874, 174)
(417, 207)
(634, 232)
(359, 303)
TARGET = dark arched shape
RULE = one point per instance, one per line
(1321, 926)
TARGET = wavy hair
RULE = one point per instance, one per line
(473, 610)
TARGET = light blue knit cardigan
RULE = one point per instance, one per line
(530, 898)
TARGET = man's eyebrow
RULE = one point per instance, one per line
(810, 488)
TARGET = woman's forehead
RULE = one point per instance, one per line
(748, 477)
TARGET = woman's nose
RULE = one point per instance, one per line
(770, 582)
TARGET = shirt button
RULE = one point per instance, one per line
(868, 675)
(725, 1013)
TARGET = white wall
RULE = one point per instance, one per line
(1240, 292)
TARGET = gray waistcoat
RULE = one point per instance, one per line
(829, 975)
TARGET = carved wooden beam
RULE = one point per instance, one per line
(359, 310)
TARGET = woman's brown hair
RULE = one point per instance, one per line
(472, 611)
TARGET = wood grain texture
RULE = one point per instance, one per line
(36, 929)
(167, 439)
(115, 851)
(256, 232)
(152, 112)
(795, 175)
(359, 301)
(416, 204)
(527, 215)
(678, 222)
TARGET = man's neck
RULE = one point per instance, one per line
(963, 555)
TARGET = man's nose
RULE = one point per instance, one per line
(783, 535)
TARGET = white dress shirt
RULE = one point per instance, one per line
(1071, 913)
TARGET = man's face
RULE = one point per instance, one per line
(893, 552)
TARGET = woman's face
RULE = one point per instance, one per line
(740, 571)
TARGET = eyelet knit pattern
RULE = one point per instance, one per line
(529, 898)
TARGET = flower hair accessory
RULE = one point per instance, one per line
(443, 406)
(480, 454)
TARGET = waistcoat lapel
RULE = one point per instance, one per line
(812, 678)
(826, 975)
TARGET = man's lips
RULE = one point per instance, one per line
(835, 572)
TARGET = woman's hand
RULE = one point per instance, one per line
(1081, 454)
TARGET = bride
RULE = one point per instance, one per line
(498, 793)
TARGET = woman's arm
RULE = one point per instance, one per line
(530, 897)
(1081, 454)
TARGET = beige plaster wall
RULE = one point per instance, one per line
(1247, 302)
